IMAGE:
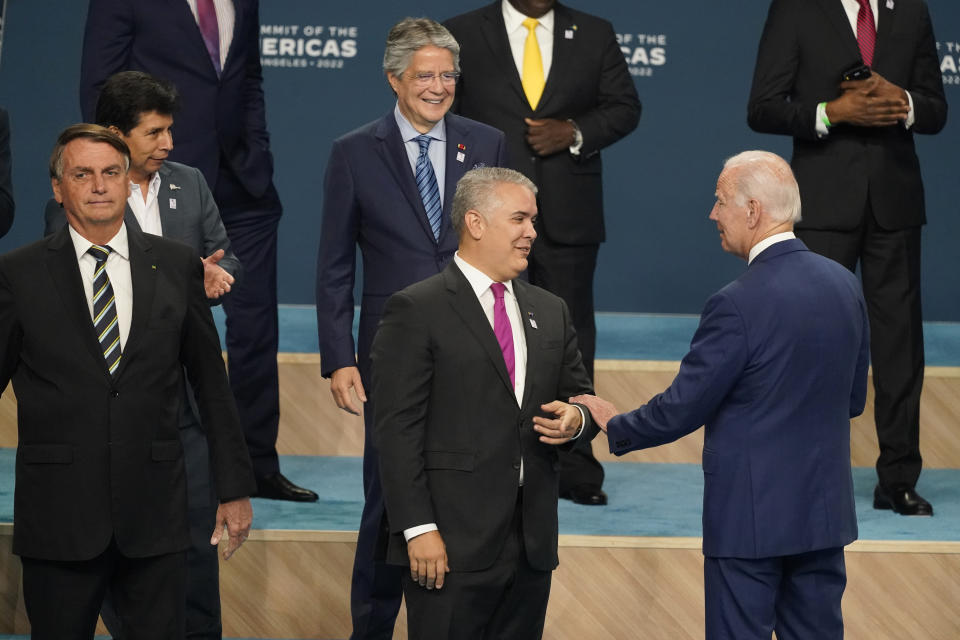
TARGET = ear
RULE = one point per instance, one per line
(753, 214)
(394, 83)
(115, 130)
(55, 184)
(475, 224)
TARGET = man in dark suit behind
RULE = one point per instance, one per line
(556, 123)
(471, 372)
(776, 370)
(6, 182)
(209, 49)
(171, 200)
(97, 324)
(372, 199)
(859, 176)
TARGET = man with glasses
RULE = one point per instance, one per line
(388, 189)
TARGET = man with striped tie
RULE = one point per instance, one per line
(97, 324)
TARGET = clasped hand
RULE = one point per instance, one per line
(871, 102)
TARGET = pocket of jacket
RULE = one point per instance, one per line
(450, 460)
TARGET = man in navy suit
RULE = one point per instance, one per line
(373, 199)
(776, 369)
(210, 50)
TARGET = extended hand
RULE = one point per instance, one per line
(341, 381)
(236, 516)
(560, 429)
(549, 135)
(871, 102)
(600, 409)
(216, 281)
(428, 559)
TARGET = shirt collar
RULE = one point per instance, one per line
(408, 133)
(479, 281)
(119, 243)
(513, 19)
(758, 248)
(153, 187)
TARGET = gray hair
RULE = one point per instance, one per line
(767, 178)
(411, 34)
(476, 191)
(92, 132)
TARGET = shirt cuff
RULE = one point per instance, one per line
(911, 116)
(413, 532)
(822, 130)
(577, 139)
(583, 422)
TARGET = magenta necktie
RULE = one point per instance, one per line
(207, 19)
(866, 32)
(501, 328)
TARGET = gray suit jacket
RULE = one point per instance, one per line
(193, 219)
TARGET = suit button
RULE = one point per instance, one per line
(516, 465)
(114, 394)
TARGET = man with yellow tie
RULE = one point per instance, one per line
(556, 83)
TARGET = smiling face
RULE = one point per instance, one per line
(424, 104)
(150, 143)
(93, 188)
(731, 217)
(505, 233)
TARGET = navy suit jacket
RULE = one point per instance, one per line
(219, 117)
(776, 369)
(370, 199)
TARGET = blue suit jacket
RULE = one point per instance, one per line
(776, 369)
(370, 199)
(224, 114)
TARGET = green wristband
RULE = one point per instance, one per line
(825, 120)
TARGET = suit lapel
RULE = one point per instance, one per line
(170, 222)
(845, 37)
(885, 18)
(391, 149)
(65, 272)
(528, 316)
(495, 33)
(466, 305)
(562, 54)
(143, 275)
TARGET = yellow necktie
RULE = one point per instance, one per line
(532, 78)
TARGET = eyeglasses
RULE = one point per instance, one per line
(426, 79)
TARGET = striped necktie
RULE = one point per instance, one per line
(427, 185)
(105, 309)
(866, 32)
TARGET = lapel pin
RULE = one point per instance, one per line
(173, 203)
(568, 34)
(174, 187)
(533, 323)
(462, 147)
(460, 156)
(890, 5)
(154, 267)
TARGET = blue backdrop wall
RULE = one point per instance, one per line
(692, 64)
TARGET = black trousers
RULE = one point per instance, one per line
(63, 598)
(567, 271)
(507, 601)
(890, 271)
(251, 307)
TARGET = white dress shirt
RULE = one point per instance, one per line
(147, 212)
(758, 248)
(226, 16)
(436, 152)
(118, 270)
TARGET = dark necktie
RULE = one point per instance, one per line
(501, 328)
(866, 32)
(207, 19)
(427, 185)
(105, 309)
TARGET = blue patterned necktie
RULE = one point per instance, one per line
(427, 185)
(105, 309)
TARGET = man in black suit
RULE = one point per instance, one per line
(471, 371)
(101, 499)
(554, 80)
(6, 182)
(859, 177)
(172, 200)
(211, 51)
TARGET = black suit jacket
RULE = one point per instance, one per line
(805, 48)
(588, 82)
(220, 117)
(448, 426)
(6, 182)
(99, 457)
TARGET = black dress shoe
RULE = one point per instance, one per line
(276, 487)
(902, 499)
(585, 494)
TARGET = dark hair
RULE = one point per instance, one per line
(127, 95)
(93, 132)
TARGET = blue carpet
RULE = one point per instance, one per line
(646, 499)
(620, 336)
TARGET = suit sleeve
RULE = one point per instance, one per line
(575, 381)
(858, 395)
(717, 357)
(214, 233)
(402, 376)
(107, 39)
(772, 107)
(255, 111)
(11, 335)
(6, 181)
(926, 81)
(200, 355)
(336, 264)
(617, 110)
